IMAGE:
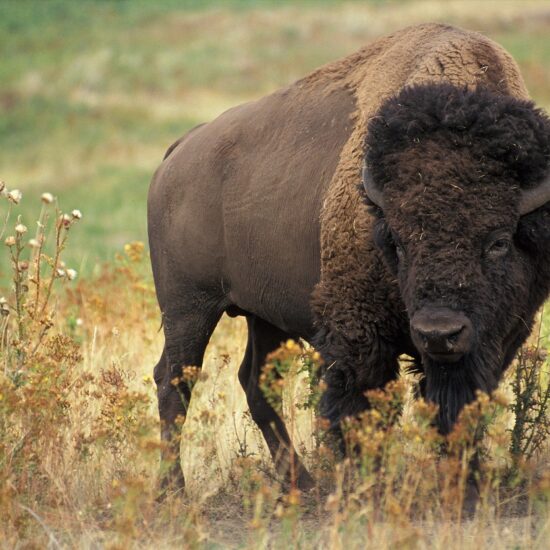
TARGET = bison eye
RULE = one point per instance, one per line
(498, 248)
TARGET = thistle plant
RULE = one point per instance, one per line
(531, 406)
(36, 267)
(278, 366)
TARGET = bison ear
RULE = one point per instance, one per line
(374, 194)
(535, 198)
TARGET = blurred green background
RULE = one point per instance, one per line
(93, 92)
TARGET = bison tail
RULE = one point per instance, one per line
(180, 140)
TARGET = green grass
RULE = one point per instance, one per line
(92, 93)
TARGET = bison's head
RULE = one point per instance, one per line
(458, 180)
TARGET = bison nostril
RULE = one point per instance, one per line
(453, 338)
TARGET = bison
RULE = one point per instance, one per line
(393, 202)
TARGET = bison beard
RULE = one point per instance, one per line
(451, 387)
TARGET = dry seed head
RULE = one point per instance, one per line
(76, 214)
(134, 250)
(190, 373)
(332, 502)
(10, 241)
(59, 272)
(20, 228)
(71, 274)
(290, 344)
(66, 220)
(500, 398)
(34, 243)
(23, 266)
(47, 198)
(323, 424)
(15, 196)
(293, 497)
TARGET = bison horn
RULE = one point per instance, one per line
(535, 198)
(374, 194)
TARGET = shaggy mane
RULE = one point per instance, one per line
(496, 128)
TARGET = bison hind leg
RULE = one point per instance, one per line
(263, 338)
(187, 331)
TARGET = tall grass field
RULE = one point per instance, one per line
(92, 93)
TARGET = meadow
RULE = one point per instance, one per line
(92, 94)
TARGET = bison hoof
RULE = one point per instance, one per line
(304, 481)
(172, 483)
(471, 499)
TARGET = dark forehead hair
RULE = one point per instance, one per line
(506, 135)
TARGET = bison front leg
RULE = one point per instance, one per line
(353, 367)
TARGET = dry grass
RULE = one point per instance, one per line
(79, 449)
